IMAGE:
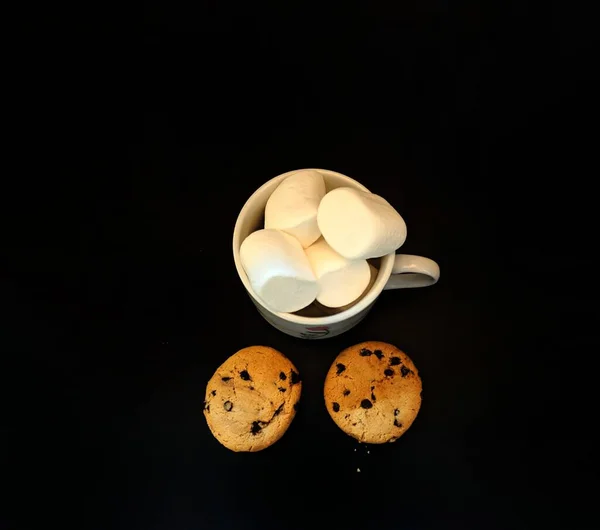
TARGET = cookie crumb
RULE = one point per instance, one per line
(358, 469)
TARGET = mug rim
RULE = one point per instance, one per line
(385, 269)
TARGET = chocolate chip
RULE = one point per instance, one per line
(346, 392)
(366, 404)
(354, 425)
(245, 375)
(396, 412)
(346, 416)
(225, 379)
(405, 371)
(336, 407)
(251, 387)
(228, 405)
(373, 397)
(397, 423)
(282, 376)
(340, 368)
(388, 372)
(279, 409)
(394, 361)
(378, 354)
(365, 352)
(294, 377)
(256, 428)
(213, 393)
(281, 389)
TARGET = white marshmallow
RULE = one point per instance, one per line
(278, 270)
(321, 310)
(293, 206)
(360, 225)
(341, 281)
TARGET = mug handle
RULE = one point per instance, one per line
(412, 271)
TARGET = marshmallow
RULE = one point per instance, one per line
(278, 270)
(341, 281)
(293, 206)
(360, 225)
(321, 310)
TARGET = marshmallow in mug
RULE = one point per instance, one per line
(278, 270)
(360, 225)
(293, 206)
(341, 281)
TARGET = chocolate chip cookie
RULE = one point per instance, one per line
(373, 392)
(252, 399)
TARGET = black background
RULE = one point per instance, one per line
(141, 144)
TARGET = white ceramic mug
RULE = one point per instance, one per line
(396, 271)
